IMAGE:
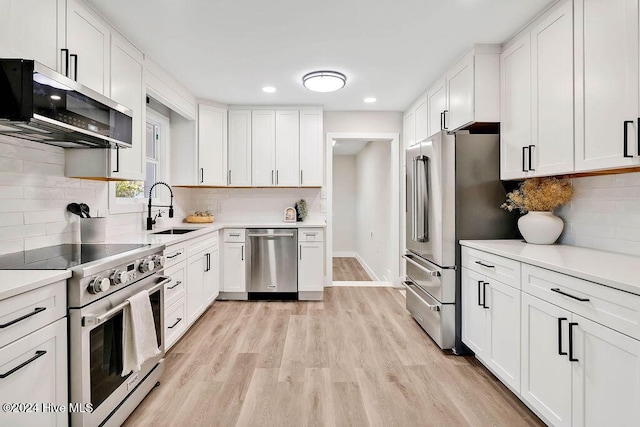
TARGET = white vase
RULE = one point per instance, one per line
(540, 228)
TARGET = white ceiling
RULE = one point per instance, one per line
(350, 147)
(227, 50)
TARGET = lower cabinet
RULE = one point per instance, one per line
(175, 321)
(203, 281)
(211, 279)
(310, 263)
(234, 267)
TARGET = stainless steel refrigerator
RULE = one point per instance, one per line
(454, 193)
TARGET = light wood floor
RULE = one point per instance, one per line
(355, 359)
(347, 269)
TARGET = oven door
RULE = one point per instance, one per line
(96, 351)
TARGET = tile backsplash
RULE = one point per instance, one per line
(604, 213)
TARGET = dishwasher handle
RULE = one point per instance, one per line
(270, 235)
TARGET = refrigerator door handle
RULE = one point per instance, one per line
(432, 307)
(414, 202)
(426, 270)
(422, 198)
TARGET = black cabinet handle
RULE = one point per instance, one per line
(229, 177)
(479, 292)
(26, 316)
(65, 52)
(560, 352)
(75, 66)
(445, 120)
(201, 175)
(174, 255)
(638, 141)
(176, 285)
(484, 295)
(571, 358)
(38, 355)
(442, 120)
(176, 324)
(277, 177)
(242, 255)
(524, 158)
(557, 290)
(208, 256)
(485, 265)
(302, 180)
(271, 176)
(531, 147)
(117, 169)
(625, 145)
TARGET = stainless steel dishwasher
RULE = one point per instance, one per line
(272, 263)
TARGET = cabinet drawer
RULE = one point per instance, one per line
(200, 244)
(22, 314)
(174, 254)
(495, 267)
(234, 235)
(310, 235)
(177, 287)
(610, 307)
(175, 321)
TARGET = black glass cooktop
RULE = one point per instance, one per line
(61, 257)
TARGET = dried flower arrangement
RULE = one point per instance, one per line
(301, 209)
(539, 195)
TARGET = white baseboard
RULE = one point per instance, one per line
(368, 269)
(344, 254)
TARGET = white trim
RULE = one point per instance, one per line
(368, 269)
(344, 255)
(395, 195)
(364, 284)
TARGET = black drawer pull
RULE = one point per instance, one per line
(625, 145)
(560, 352)
(479, 293)
(176, 324)
(571, 358)
(174, 255)
(26, 316)
(485, 265)
(557, 290)
(176, 285)
(484, 295)
(38, 355)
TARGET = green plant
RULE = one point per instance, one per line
(130, 189)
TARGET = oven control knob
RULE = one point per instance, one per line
(99, 284)
(119, 277)
(146, 266)
(158, 260)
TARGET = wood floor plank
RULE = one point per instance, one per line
(348, 269)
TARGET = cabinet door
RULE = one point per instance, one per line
(239, 148)
(88, 37)
(263, 148)
(515, 109)
(606, 83)
(437, 104)
(460, 93)
(234, 268)
(127, 88)
(552, 88)
(33, 29)
(474, 314)
(42, 380)
(546, 374)
(311, 148)
(212, 145)
(422, 121)
(196, 266)
(211, 279)
(409, 129)
(606, 377)
(503, 326)
(287, 148)
(311, 267)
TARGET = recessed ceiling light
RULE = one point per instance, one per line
(324, 81)
(269, 89)
(370, 100)
(56, 97)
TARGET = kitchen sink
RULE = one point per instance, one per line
(176, 231)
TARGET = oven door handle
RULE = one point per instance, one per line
(96, 320)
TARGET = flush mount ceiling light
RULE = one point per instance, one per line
(269, 89)
(324, 81)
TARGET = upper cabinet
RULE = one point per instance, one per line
(311, 148)
(607, 76)
(33, 29)
(263, 148)
(212, 145)
(437, 106)
(422, 120)
(287, 148)
(239, 149)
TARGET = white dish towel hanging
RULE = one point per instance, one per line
(139, 333)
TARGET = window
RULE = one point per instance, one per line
(140, 189)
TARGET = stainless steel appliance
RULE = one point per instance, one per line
(453, 193)
(272, 263)
(39, 104)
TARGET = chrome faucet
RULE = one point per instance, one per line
(151, 221)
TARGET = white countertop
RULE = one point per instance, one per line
(611, 269)
(14, 282)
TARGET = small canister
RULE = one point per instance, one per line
(93, 230)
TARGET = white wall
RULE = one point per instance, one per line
(604, 213)
(34, 194)
(344, 204)
(362, 121)
(374, 230)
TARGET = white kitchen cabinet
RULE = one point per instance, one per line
(409, 129)
(606, 83)
(287, 148)
(211, 281)
(196, 266)
(311, 148)
(437, 106)
(473, 88)
(422, 120)
(212, 146)
(474, 317)
(239, 149)
(36, 369)
(88, 38)
(310, 263)
(33, 29)
(263, 141)
(552, 139)
(175, 322)
(515, 107)
(234, 268)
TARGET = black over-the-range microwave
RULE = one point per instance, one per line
(40, 104)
